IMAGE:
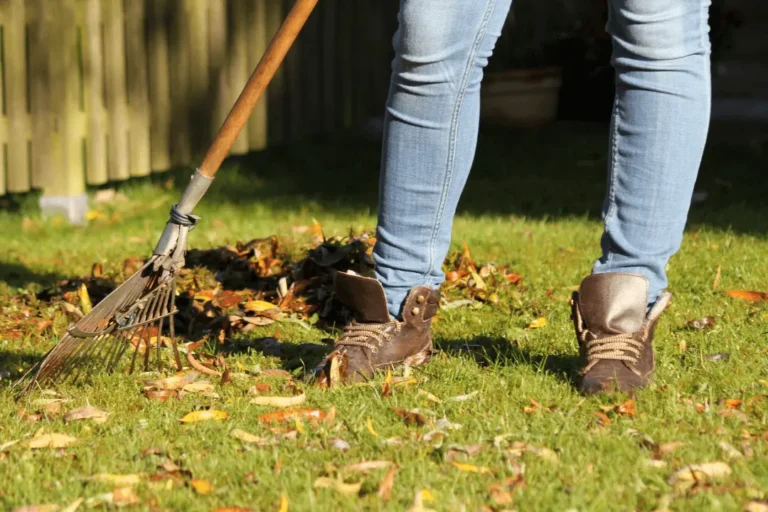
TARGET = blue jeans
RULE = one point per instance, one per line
(658, 130)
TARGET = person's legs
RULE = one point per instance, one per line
(659, 127)
(658, 131)
(430, 135)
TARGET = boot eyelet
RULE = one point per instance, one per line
(420, 299)
(415, 311)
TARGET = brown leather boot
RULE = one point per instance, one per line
(615, 334)
(374, 340)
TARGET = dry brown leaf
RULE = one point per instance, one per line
(275, 373)
(730, 451)
(116, 480)
(337, 485)
(87, 412)
(50, 507)
(330, 416)
(204, 415)
(386, 486)
(292, 415)
(51, 441)
(733, 403)
(386, 387)
(756, 506)
(602, 418)
(501, 492)
(124, 496)
(707, 322)
(700, 472)
(201, 486)
(665, 448)
(280, 401)
(201, 386)
(176, 382)
(366, 466)
(410, 417)
(161, 395)
(627, 408)
(748, 295)
(245, 437)
(470, 468)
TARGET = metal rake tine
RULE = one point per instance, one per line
(160, 312)
(172, 329)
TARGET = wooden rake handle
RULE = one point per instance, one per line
(256, 85)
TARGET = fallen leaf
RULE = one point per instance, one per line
(50, 507)
(204, 415)
(716, 280)
(730, 451)
(369, 426)
(4, 447)
(665, 448)
(702, 323)
(201, 486)
(733, 403)
(283, 503)
(258, 306)
(445, 424)
(276, 373)
(72, 507)
(602, 418)
(124, 496)
(722, 356)
(337, 485)
(366, 466)
(501, 492)
(756, 506)
(161, 395)
(51, 441)
(537, 324)
(116, 480)
(292, 415)
(419, 499)
(747, 295)
(385, 488)
(280, 401)
(627, 408)
(469, 468)
(85, 300)
(410, 417)
(175, 382)
(386, 387)
(201, 386)
(239, 509)
(462, 398)
(700, 472)
(429, 396)
(245, 437)
(87, 412)
(339, 444)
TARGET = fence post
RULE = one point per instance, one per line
(64, 193)
(275, 92)
(178, 68)
(238, 63)
(159, 85)
(114, 59)
(138, 96)
(38, 19)
(16, 152)
(93, 84)
(257, 45)
(198, 107)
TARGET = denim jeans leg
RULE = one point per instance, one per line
(659, 128)
(430, 134)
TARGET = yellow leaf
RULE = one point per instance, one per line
(204, 416)
(245, 436)
(280, 401)
(429, 396)
(426, 495)
(538, 323)
(87, 412)
(699, 472)
(85, 300)
(283, 503)
(116, 480)
(469, 468)
(201, 486)
(51, 441)
(299, 426)
(337, 485)
(257, 306)
(369, 425)
(93, 215)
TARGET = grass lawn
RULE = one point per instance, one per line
(532, 203)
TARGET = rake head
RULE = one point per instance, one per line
(131, 317)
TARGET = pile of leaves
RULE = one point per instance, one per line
(234, 289)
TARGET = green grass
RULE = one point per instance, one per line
(533, 203)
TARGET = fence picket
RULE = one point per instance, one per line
(257, 45)
(114, 72)
(93, 84)
(159, 85)
(138, 95)
(16, 151)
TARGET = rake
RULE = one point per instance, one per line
(133, 316)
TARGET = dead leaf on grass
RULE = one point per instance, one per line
(72, 507)
(385, 488)
(730, 451)
(537, 324)
(700, 472)
(116, 480)
(245, 437)
(87, 412)
(665, 448)
(462, 398)
(292, 415)
(124, 496)
(50, 507)
(413, 417)
(365, 466)
(204, 415)
(702, 323)
(170, 383)
(280, 401)
(275, 373)
(748, 295)
(429, 396)
(386, 387)
(501, 492)
(337, 485)
(602, 418)
(733, 403)
(51, 441)
(201, 486)
(470, 468)
(756, 506)
(160, 395)
(369, 426)
(237, 509)
(418, 501)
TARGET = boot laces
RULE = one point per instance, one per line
(363, 335)
(619, 347)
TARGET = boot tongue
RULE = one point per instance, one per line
(613, 303)
(364, 296)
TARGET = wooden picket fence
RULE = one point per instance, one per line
(95, 91)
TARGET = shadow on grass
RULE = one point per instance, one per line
(551, 172)
(500, 352)
(17, 275)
